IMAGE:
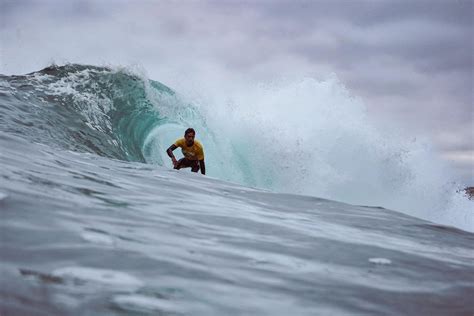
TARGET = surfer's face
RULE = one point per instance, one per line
(189, 137)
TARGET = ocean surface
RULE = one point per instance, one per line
(313, 211)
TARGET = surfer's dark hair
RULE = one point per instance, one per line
(189, 130)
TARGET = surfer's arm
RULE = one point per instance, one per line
(202, 166)
(169, 151)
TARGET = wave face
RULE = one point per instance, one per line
(88, 235)
(307, 137)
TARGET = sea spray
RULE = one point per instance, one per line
(313, 137)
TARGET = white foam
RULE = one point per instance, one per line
(382, 261)
(143, 303)
(67, 301)
(98, 238)
(102, 276)
(3, 196)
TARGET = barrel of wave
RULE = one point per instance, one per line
(222, 158)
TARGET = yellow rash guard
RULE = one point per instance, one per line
(195, 152)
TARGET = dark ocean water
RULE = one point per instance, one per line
(93, 221)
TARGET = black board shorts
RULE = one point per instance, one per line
(186, 163)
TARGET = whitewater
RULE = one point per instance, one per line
(308, 207)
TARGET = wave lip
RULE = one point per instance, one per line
(84, 108)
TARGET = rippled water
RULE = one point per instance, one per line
(88, 235)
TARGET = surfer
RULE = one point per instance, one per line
(192, 150)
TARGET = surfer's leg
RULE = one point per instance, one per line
(181, 164)
(194, 166)
(186, 163)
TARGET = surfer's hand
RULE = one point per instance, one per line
(175, 162)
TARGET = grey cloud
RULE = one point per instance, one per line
(365, 13)
(433, 36)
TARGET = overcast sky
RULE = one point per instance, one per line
(410, 61)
